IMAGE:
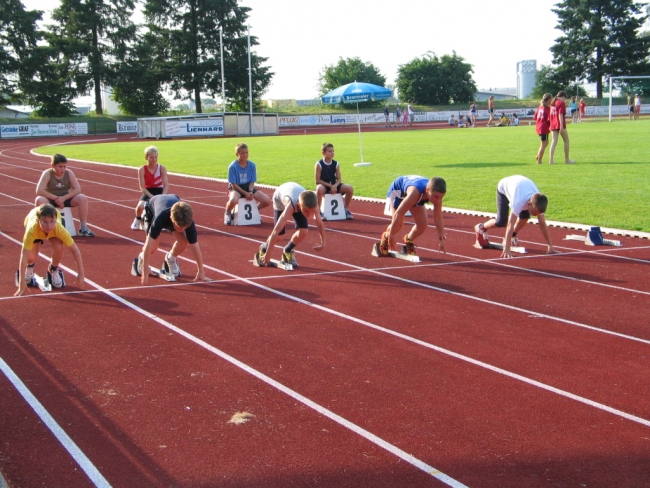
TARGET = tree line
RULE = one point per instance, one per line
(600, 38)
(94, 43)
(427, 80)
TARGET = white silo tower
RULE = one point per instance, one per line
(526, 73)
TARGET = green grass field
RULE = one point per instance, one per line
(608, 186)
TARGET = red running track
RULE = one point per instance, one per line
(465, 369)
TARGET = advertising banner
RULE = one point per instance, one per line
(127, 127)
(73, 129)
(189, 127)
(288, 121)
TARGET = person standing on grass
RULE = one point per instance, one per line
(58, 186)
(558, 126)
(491, 110)
(630, 105)
(543, 124)
(574, 110)
(473, 110)
(398, 114)
(405, 117)
(411, 114)
(637, 106)
(581, 107)
(387, 116)
(519, 196)
(152, 178)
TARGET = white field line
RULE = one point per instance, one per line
(378, 441)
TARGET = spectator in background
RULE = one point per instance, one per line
(452, 120)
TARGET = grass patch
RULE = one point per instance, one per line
(607, 187)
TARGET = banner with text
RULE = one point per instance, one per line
(184, 128)
(40, 130)
(127, 127)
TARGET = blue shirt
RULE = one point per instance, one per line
(403, 182)
(242, 176)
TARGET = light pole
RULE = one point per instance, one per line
(250, 83)
(223, 81)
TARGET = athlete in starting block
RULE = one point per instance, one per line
(291, 200)
(41, 224)
(520, 196)
(168, 212)
(410, 193)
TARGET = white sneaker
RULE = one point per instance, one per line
(140, 264)
(514, 241)
(227, 218)
(171, 265)
(56, 279)
(29, 274)
(137, 224)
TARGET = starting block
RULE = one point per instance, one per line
(594, 238)
(67, 221)
(161, 273)
(42, 283)
(332, 207)
(246, 213)
(274, 263)
(392, 254)
(517, 249)
(388, 211)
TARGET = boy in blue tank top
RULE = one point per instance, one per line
(410, 193)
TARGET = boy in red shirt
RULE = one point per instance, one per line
(558, 126)
(543, 124)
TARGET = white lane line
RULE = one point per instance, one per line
(68, 444)
(405, 337)
(378, 441)
(386, 275)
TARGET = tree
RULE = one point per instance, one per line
(18, 37)
(90, 32)
(436, 81)
(601, 38)
(187, 38)
(348, 71)
(138, 80)
(548, 81)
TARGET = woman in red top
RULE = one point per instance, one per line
(543, 124)
(581, 107)
(558, 126)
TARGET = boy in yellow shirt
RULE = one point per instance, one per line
(41, 224)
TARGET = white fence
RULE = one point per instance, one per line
(443, 116)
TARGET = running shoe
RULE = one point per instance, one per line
(481, 236)
(140, 264)
(289, 258)
(137, 224)
(259, 257)
(171, 265)
(29, 274)
(322, 216)
(409, 248)
(348, 214)
(514, 241)
(384, 245)
(227, 218)
(86, 232)
(56, 278)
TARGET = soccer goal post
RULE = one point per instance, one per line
(613, 79)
